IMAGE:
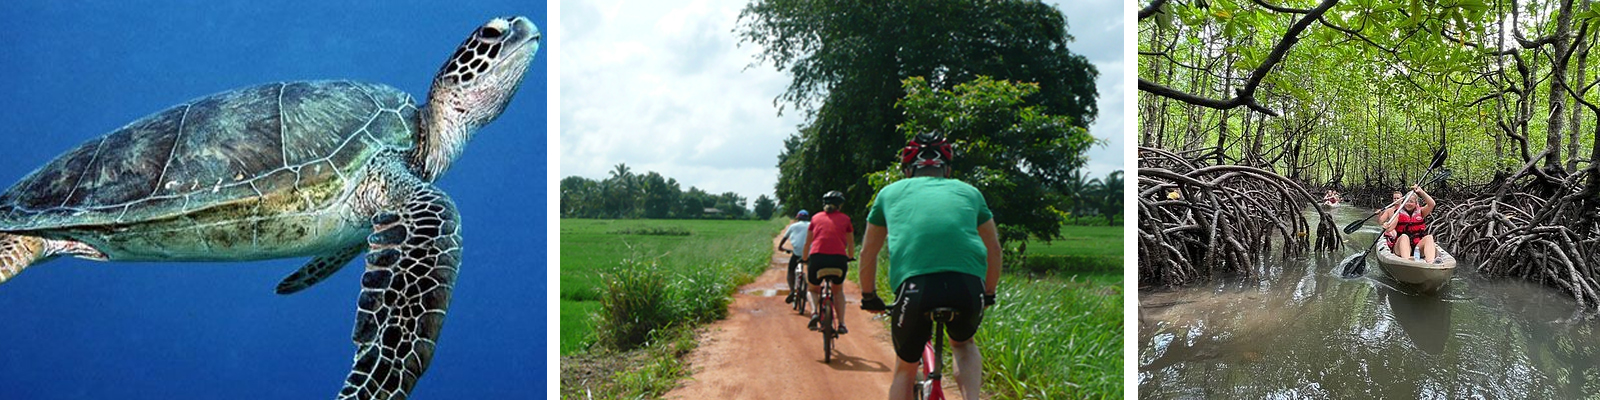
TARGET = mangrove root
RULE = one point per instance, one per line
(1530, 228)
(1198, 222)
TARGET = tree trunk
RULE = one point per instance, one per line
(1577, 113)
(1558, 79)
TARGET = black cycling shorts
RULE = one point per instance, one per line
(911, 328)
(820, 261)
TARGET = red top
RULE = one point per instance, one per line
(828, 230)
(1410, 225)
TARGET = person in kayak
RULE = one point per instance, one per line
(1411, 226)
(1388, 213)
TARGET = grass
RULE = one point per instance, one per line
(1080, 250)
(720, 254)
(1056, 329)
(1053, 338)
(632, 292)
(647, 372)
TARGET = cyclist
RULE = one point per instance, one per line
(797, 231)
(944, 251)
(829, 242)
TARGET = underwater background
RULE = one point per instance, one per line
(74, 329)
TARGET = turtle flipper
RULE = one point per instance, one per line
(411, 270)
(318, 269)
(20, 251)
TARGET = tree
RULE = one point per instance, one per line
(579, 197)
(621, 191)
(1364, 91)
(1017, 155)
(847, 65)
(696, 201)
(692, 207)
(732, 205)
(1075, 193)
(657, 195)
(1108, 196)
(765, 207)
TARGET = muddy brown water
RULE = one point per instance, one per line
(1303, 331)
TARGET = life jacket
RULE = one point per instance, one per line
(1414, 226)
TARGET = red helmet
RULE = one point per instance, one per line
(926, 150)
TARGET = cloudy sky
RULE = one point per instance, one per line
(664, 86)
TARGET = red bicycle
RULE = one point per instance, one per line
(930, 379)
(824, 308)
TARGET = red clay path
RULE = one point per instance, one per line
(764, 351)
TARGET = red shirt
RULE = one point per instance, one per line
(827, 233)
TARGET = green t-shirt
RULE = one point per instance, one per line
(933, 227)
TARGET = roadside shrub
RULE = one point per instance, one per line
(636, 302)
(641, 298)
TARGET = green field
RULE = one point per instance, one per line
(590, 247)
(1081, 250)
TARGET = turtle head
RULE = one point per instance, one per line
(472, 89)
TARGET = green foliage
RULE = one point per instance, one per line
(1053, 338)
(1367, 92)
(651, 195)
(765, 207)
(637, 301)
(1016, 155)
(847, 66)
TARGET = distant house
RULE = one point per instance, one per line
(711, 213)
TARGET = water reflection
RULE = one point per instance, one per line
(1303, 332)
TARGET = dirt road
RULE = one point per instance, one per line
(764, 351)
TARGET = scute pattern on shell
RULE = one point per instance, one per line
(216, 149)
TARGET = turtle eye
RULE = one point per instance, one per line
(489, 32)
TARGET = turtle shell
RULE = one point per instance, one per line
(218, 149)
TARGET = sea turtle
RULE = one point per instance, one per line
(326, 169)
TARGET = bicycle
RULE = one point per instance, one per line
(797, 288)
(930, 381)
(824, 308)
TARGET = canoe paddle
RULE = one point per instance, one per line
(1436, 179)
(1356, 266)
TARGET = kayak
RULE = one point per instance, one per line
(1425, 276)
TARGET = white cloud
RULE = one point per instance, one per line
(665, 88)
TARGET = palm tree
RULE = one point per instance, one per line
(1108, 196)
(1076, 190)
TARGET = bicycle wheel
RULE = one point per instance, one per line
(826, 313)
(801, 297)
(827, 347)
(920, 389)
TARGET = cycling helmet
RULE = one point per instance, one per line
(926, 150)
(833, 197)
(802, 215)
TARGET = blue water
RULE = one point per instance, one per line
(70, 329)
